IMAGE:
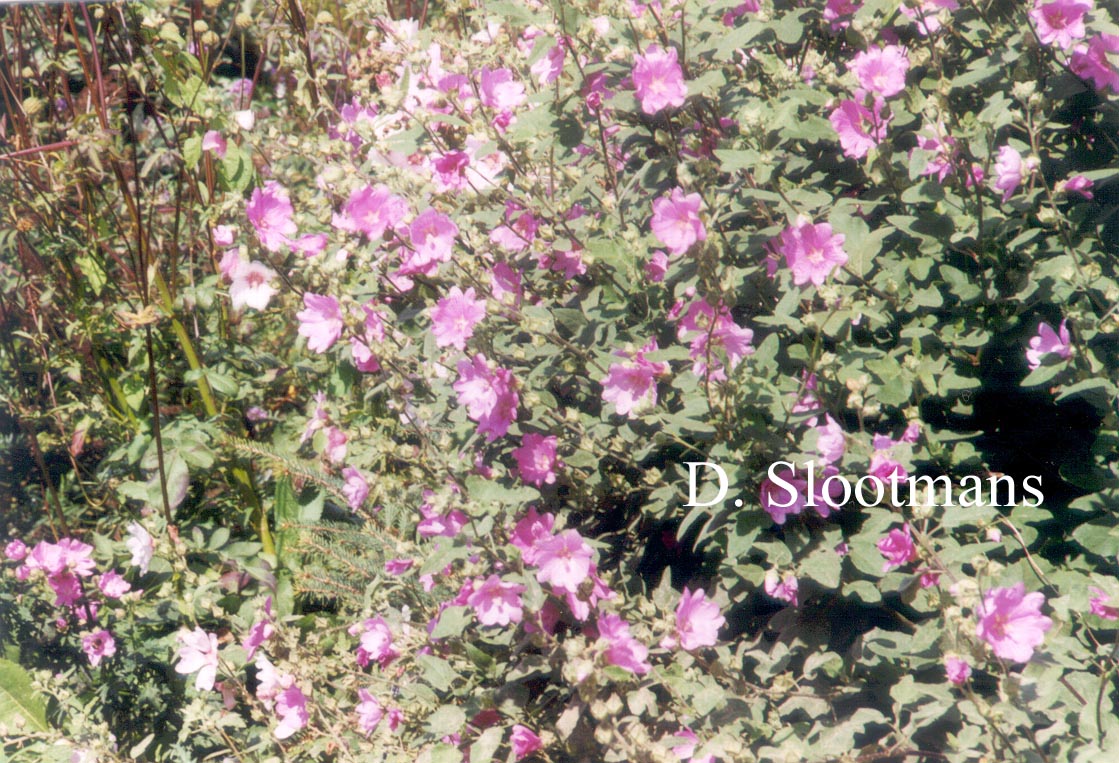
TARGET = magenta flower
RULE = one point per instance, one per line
(321, 322)
(260, 632)
(957, 669)
(697, 620)
(524, 741)
(676, 221)
(436, 525)
(398, 566)
(623, 649)
(454, 317)
(943, 147)
(881, 71)
(536, 459)
(369, 712)
(375, 642)
(252, 286)
(733, 339)
(685, 750)
(1060, 22)
(489, 394)
(199, 653)
(98, 645)
(838, 13)
(1101, 606)
(291, 707)
(784, 587)
(1049, 342)
(433, 236)
(1091, 62)
(897, 547)
(1076, 184)
(370, 210)
(112, 585)
(15, 551)
(356, 488)
(269, 210)
(658, 79)
(859, 129)
(499, 90)
(565, 560)
(530, 531)
(657, 266)
(812, 251)
(1010, 620)
(497, 602)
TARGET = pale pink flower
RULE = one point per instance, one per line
(897, 547)
(199, 653)
(859, 129)
(658, 79)
(831, 441)
(1049, 342)
(784, 587)
(369, 712)
(697, 620)
(15, 550)
(112, 585)
(140, 545)
(375, 642)
(812, 251)
(489, 394)
(432, 234)
(524, 741)
(321, 322)
(497, 602)
(373, 333)
(213, 141)
(676, 222)
(291, 707)
(454, 317)
(632, 387)
(223, 235)
(1091, 61)
(252, 286)
(269, 210)
(371, 210)
(335, 447)
(957, 668)
(548, 69)
(881, 71)
(1010, 620)
(1011, 170)
(565, 560)
(356, 488)
(1060, 22)
(623, 649)
(245, 119)
(499, 90)
(98, 645)
(536, 459)
(1101, 604)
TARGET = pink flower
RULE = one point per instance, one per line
(1076, 184)
(1100, 605)
(926, 15)
(1060, 22)
(223, 235)
(812, 251)
(568, 261)
(269, 210)
(676, 221)
(735, 340)
(450, 171)
(632, 387)
(548, 69)
(369, 712)
(1091, 61)
(838, 13)
(260, 632)
(374, 333)
(831, 441)
(623, 649)
(398, 566)
(433, 236)
(199, 652)
(658, 79)
(881, 71)
(140, 545)
(213, 141)
(686, 749)
(335, 447)
(536, 459)
(943, 147)
(499, 90)
(375, 644)
(1010, 171)
(291, 707)
(524, 741)
(656, 267)
(1049, 342)
(395, 718)
(98, 645)
(497, 602)
(252, 286)
(1010, 620)
(371, 210)
(113, 585)
(565, 560)
(697, 620)
(529, 532)
(356, 488)
(957, 669)
(859, 129)
(490, 396)
(321, 322)
(898, 548)
(454, 317)
(784, 587)
(15, 551)
(436, 525)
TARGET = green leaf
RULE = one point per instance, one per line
(486, 745)
(18, 699)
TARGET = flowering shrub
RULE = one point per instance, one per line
(386, 389)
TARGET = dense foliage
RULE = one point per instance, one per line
(366, 369)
